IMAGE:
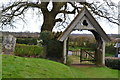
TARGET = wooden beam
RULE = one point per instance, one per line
(96, 25)
(100, 50)
(71, 26)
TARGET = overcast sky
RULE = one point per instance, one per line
(34, 26)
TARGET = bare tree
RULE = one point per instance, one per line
(19, 8)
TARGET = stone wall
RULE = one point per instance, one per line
(8, 44)
(9, 40)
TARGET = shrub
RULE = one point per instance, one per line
(30, 41)
(28, 50)
(91, 45)
(46, 36)
(110, 49)
(112, 62)
(53, 48)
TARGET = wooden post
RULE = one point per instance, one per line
(100, 55)
(81, 55)
(103, 53)
(100, 50)
(65, 50)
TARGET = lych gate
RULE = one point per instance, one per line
(85, 21)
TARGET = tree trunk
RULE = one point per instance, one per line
(49, 16)
(49, 21)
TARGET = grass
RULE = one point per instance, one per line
(94, 72)
(19, 67)
(0, 66)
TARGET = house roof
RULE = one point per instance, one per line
(76, 24)
(117, 45)
(117, 40)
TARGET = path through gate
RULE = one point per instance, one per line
(83, 56)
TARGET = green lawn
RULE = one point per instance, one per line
(19, 67)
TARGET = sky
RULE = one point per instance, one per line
(34, 26)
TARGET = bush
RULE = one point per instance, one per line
(91, 45)
(29, 41)
(46, 36)
(53, 48)
(28, 50)
(110, 49)
(113, 62)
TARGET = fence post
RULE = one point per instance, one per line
(80, 55)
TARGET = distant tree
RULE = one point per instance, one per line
(82, 41)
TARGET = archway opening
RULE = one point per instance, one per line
(81, 47)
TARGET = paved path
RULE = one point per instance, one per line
(83, 65)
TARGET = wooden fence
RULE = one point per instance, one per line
(84, 54)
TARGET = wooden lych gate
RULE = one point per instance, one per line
(85, 21)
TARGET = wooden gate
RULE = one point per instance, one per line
(85, 54)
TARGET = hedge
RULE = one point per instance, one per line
(28, 50)
(30, 41)
(110, 49)
(112, 62)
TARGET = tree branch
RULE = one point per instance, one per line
(16, 9)
(100, 13)
(21, 4)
